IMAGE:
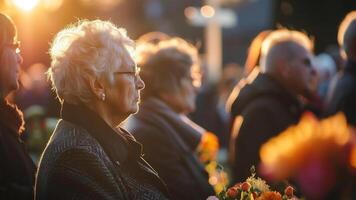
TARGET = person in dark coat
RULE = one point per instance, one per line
(267, 102)
(17, 170)
(98, 84)
(169, 138)
(342, 90)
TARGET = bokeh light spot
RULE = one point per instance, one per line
(26, 5)
(207, 11)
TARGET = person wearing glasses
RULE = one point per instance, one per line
(98, 84)
(17, 170)
(171, 70)
(268, 103)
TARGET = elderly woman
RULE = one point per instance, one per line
(169, 139)
(17, 170)
(97, 82)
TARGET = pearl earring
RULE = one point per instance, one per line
(102, 96)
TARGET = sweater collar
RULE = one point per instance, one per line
(118, 145)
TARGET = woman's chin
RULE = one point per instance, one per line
(134, 109)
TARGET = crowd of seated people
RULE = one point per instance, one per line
(133, 114)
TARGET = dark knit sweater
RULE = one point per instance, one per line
(87, 159)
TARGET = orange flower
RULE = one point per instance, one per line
(208, 147)
(283, 155)
(270, 195)
(316, 154)
(208, 150)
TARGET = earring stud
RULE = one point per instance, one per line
(102, 96)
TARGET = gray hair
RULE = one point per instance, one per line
(84, 51)
(279, 39)
(164, 65)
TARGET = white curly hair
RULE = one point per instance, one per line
(84, 51)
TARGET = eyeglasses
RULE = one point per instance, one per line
(134, 73)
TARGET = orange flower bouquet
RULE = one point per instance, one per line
(208, 147)
(208, 150)
(254, 188)
(319, 156)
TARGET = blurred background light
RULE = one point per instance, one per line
(25, 5)
(52, 5)
(190, 12)
(104, 5)
(207, 11)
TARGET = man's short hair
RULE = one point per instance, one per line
(282, 37)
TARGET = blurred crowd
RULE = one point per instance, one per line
(113, 118)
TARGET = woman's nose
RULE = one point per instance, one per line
(140, 83)
(19, 59)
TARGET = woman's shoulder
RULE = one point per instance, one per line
(70, 148)
(74, 167)
(68, 137)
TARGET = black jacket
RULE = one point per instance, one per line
(262, 109)
(342, 94)
(169, 144)
(87, 159)
(17, 170)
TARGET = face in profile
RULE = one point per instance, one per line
(187, 93)
(10, 66)
(302, 74)
(123, 88)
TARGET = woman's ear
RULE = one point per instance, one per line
(97, 87)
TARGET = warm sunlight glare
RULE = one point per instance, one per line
(52, 5)
(26, 5)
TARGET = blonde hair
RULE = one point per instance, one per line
(83, 51)
(347, 30)
(282, 36)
